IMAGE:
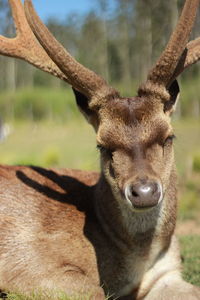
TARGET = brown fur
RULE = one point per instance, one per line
(77, 231)
(73, 230)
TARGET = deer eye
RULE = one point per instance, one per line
(105, 150)
(169, 140)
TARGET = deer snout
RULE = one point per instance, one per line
(144, 194)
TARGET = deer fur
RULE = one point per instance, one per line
(83, 232)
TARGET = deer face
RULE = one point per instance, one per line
(135, 140)
(136, 151)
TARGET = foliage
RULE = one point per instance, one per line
(41, 103)
(189, 97)
(196, 162)
(38, 104)
(189, 204)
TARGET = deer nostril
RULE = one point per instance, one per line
(143, 195)
(134, 193)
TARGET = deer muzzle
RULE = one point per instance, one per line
(144, 194)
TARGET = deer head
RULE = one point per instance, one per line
(134, 135)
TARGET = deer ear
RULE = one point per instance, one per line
(83, 104)
(170, 106)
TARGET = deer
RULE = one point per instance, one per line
(107, 234)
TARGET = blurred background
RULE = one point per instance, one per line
(119, 39)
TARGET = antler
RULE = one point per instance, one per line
(193, 52)
(25, 46)
(54, 59)
(81, 78)
(175, 53)
(189, 57)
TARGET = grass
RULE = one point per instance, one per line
(187, 147)
(51, 144)
(190, 246)
(47, 296)
(187, 144)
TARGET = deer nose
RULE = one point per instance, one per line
(144, 195)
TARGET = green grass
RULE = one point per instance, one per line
(187, 147)
(46, 296)
(190, 246)
(51, 144)
(187, 144)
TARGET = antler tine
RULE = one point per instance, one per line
(25, 46)
(193, 52)
(189, 57)
(81, 78)
(167, 63)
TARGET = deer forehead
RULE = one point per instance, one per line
(127, 123)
